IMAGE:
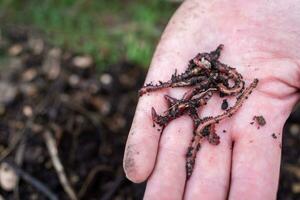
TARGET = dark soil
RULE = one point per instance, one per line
(260, 120)
(224, 105)
(89, 114)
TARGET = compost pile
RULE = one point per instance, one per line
(55, 105)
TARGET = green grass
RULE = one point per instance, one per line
(108, 30)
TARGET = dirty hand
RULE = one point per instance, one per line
(261, 40)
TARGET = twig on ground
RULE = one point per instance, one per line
(51, 145)
(91, 176)
(32, 181)
(19, 161)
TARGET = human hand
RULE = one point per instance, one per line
(262, 40)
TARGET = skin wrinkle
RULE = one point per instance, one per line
(278, 80)
(166, 161)
(273, 74)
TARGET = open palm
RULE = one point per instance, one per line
(262, 40)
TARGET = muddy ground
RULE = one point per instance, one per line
(47, 92)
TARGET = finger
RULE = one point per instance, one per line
(211, 174)
(255, 170)
(210, 178)
(257, 151)
(172, 53)
(168, 178)
(142, 143)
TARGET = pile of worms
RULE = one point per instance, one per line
(204, 76)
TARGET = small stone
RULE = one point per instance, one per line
(296, 188)
(27, 111)
(82, 62)
(15, 50)
(106, 79)
(295, 129)
(8, 177)
(8, 92)
(74, 80)
(29, 74)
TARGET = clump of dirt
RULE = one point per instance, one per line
(274, 136)
(224, 104)
(260, 120)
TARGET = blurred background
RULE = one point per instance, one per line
(69, 75)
